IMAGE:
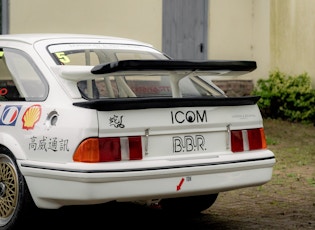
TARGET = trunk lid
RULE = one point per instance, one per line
(180, 130)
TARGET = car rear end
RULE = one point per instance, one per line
(164, 129)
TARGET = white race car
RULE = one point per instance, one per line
(92, 119)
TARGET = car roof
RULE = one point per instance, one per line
(35, 37)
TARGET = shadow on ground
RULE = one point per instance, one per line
(123, 215)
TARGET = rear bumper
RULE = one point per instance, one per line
(53, 186)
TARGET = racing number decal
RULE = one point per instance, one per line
(62, 57)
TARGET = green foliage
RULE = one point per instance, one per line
(286, 97)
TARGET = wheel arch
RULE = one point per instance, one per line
(11, 144)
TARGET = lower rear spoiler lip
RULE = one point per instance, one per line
(149, 103)
(173, 65)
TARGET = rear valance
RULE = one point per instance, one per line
(148, 103)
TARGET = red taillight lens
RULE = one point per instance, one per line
(245, 140)
(109, 149)
(237, 141)
(135, 148)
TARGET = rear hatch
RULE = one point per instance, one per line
(180, 131)
(171, 109)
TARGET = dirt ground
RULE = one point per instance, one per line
(282, 207)
(242, 209)
(286, 202)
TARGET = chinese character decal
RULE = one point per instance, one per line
(48, 144)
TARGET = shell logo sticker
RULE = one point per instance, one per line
(31, 116)
(10, 115)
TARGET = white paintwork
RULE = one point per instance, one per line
(55, 180)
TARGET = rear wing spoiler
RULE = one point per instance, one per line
(176, 69)
(174, 65)
(153, 67)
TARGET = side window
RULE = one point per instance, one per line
(19, 77)
(8, 90)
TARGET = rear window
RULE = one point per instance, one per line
(146, 86)
(133, 85)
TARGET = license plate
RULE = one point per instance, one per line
(208, 142)
(189, 143)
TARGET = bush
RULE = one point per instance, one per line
(286, 97)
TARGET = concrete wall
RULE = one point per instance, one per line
(136, 19)
(293, 37)
(240, 30)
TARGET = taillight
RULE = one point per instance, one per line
(109, 149)
(248, 139)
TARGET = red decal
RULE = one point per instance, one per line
(178, 187)
(14, 116)
(3, 91)
(31, 116)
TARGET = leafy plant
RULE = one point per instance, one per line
(286, 97)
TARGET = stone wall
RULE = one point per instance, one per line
(235, 88)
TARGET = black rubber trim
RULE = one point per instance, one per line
(148, 103)
(156, 65)
(147, 169)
